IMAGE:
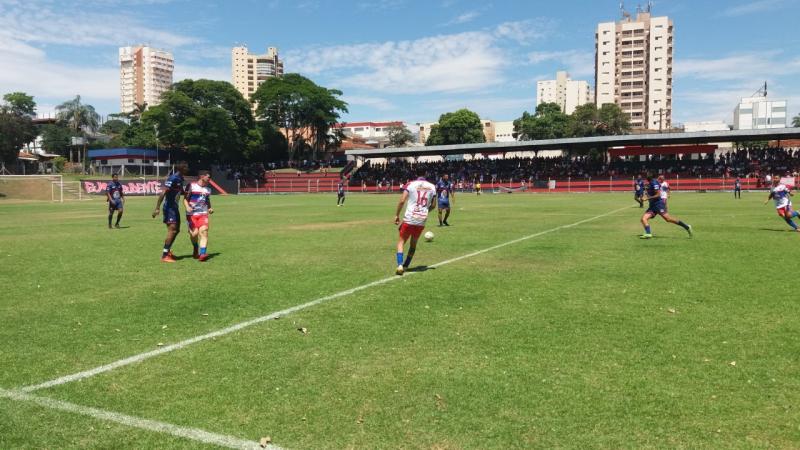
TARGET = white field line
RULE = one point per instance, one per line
(194, 434)
(179, 345)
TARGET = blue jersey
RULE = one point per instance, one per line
(114, 190)
(340, 188)
(654, 191)
(174, 187)
(443, 189)
(638, 185)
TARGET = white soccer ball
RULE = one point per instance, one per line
(429, 236)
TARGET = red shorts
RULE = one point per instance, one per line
(198, 220)
(407, 230)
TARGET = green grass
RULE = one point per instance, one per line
(584, 337)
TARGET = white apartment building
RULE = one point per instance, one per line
(633, 68)
(371, 132)
(754, 113)
(144, 74)
(563, 91)
(492, 131)
(504, 131)
(249, 70)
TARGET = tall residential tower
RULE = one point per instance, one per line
(144, 74)
(633, 68)
(249, 70)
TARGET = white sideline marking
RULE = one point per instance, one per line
(194, 434)
(179, 345)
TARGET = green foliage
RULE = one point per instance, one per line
(114, 127)
(56, 138)
(21, 103)
(78, 116)
(459, 127)
(399, 135)
(547, 123)
(586, 121)
(796, 121)
(303, 110)
(138, 135)
(16, 126)
(59, 162)
(210, 120)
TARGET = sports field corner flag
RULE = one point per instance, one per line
(218, 187)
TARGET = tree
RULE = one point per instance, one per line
(16, 125)
(549, 122)
(78, 116)
(459, 127)
(114, 127)
(399, 135)
(613, 120)
(585, 121)
(56, 138)
(304, 111)
(210, 120)
(796, 121)
(21, 103)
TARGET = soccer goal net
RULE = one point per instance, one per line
(32, 187)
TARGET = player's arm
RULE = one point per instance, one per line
(400, 205)
(208, 202)
(108, 194)
(771, 196)
(158, 202)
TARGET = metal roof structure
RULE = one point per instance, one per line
(601, 142)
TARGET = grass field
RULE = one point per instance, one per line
(580, 336)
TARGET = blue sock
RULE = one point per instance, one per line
(685, 227)
(202, 250)
(647, 229)
(399, 258)
(408, 259)
(791, 223)
(795, 214)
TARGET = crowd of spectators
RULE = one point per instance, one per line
(753, 162)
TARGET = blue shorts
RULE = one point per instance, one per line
(637, 194)
(115, 205)
(171, 214)
(444, 203)
(657, 208)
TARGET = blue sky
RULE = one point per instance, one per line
(406, 60)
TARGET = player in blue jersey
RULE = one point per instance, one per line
(444, 192)
(340, 187)
(638, 190)
(173, 190)
(116, 199)
(737, 188)
(657, 207)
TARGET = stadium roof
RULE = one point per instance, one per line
(658, 139)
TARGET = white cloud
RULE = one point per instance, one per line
(378, 5)
(742, 66)
(577, 62)
(463, 18)
(381, 104)
(754, 8)
(183, 72)
(525, 31)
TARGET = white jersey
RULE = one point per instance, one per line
(780, 194)
(420, 195)
(664, 190)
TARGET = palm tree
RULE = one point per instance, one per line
(78, 116)
(796, 121)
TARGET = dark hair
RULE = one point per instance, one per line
(419, 169)
(200, 173)
(115, 174)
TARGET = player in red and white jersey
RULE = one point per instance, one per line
(197, 202)
(665, 192)
(421, 198)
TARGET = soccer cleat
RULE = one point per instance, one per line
(446, 224)
(400, 270)
(689, 230)
(116, 225)
(169, 258)
(195, 254)
(646, 236)
(203, 258)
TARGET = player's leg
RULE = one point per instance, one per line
(446, 215)
(203, 233)
(110, 213)
(120, 210)
(786, 215)
(439, 210)
(193, 235)
(343, 196)
(172, 232)
(412, 248)
(680, 223)
(646, 224)
(401, 242)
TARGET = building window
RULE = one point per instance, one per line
(130, 161)
(104, 161)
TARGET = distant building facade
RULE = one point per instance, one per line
(633, 68)
(492, 131)
(249, 70)
(563, 91)
(755, 113)
(144, 74)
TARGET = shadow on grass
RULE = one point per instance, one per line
(782, 230)
(210, 256)
(420, 269)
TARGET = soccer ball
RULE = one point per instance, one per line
(429, 236)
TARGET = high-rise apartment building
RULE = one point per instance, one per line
(563, 91)
(633, 68)
(144, 74)
(249, 70)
